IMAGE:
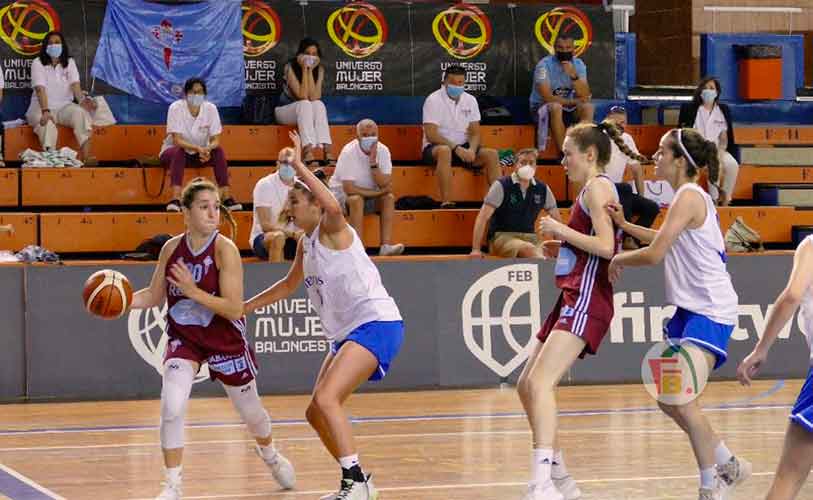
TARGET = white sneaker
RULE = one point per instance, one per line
(390, 250)
(567, 487)
(713, 494)
(334, 496)
(544, 491)
(733, 473)
(174, 206)
(281, 469)
(170, 492)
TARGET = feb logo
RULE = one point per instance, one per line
(147, 329)
(674, 374)
(358, 28)
(501, 291)
(261, 28)
(463, 30)
(563, 20)
(24, 24)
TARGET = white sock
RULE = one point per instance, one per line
(269, 453)
(174, 475)
(558, 470)
(349, 461)
(541, 464)
(707, 478)
(722, 455)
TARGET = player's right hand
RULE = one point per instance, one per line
(750, 366)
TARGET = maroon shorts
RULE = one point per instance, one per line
(591, 329)
(232, 368)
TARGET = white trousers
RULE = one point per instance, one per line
(310, 117)
(71, 115)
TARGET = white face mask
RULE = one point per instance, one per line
(526, 172)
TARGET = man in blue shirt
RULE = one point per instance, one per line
(561, 94)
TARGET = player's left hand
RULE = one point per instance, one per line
(180, 276)
(551, 226)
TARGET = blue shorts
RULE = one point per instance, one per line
(382, 338)
(802, 411)
(701, 331)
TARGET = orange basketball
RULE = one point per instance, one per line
(107, 294)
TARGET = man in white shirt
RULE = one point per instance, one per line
(271, 229)
(451, 132)
(362, 182)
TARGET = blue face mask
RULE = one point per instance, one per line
(708, 95)
(287, 172)
(454, 91)
(368, 142)
(195, 100)
(54, 50)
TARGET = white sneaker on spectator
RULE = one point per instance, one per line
(170, 492)
(281, 468)
(174, 206)
(390, 250)
(232, 205)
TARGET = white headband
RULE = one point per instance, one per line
(684, 150)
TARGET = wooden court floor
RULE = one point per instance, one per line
(430, 445)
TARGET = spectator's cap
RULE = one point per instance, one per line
(617, 109)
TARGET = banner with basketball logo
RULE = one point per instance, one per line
(149, 51)
(365, 47)
(23, 26)
(538, 25)
(478, 37)
(271, 34)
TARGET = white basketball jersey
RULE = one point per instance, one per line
(344, 286)
(806, 311)
(695, 268)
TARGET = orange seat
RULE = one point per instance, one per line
(25, 230)
(9, 187)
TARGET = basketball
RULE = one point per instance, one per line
(107, 294)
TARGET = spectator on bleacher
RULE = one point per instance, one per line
(451, 133)
(300, 102)
(706, 114)
(271, 229)
(513, 204)
(193, 139)
(57, 91)
(560, 95)
(634, 204)
(362, 183)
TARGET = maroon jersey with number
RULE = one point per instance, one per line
(192, 323)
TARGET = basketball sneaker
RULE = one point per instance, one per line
(733, 473)
(281, 468)
(711, 494)
(334, 496)
(354, 490)
(544, 491)
(568, 487)
(170, 492)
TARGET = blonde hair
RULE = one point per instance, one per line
(198, 184)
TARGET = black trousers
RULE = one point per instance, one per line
(636, 205)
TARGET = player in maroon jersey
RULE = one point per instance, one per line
(200, 274)
(582, 313)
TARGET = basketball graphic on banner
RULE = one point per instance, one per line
(359, 29)
(463, 30)
(261, 28)
(24, 24)
(564, 20)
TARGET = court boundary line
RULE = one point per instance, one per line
(30, 483)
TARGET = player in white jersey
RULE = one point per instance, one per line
(691, 245)
(797, 454)
(358, 316)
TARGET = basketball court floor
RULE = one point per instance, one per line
(428, 445)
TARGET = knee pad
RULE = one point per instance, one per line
(179, 375)
(247, 403)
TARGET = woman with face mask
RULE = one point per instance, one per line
(57, 90)
(300, 102)
(706, 114)
(193, 139)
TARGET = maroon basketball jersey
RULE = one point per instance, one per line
(583, 273)
(191, 322)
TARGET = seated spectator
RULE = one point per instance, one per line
(451, 133)
(193, 140)
(362, 183)
(706, 114)
(271, 229)
(513, 204)
(300, 101)
(560, 95)
(57, 89)
(625, 155)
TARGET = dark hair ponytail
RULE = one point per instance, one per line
(614, 132)
(702, 153)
